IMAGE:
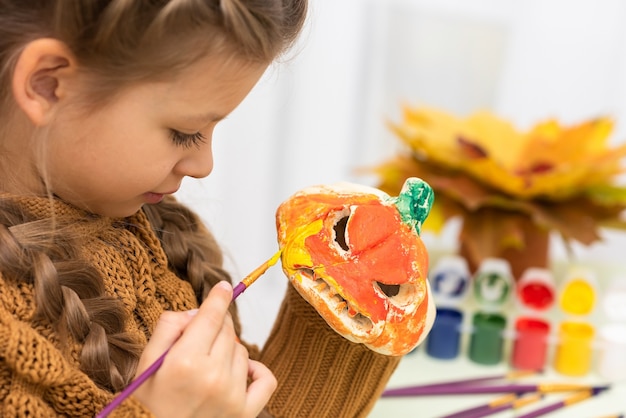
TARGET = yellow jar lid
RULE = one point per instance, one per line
(578, 296)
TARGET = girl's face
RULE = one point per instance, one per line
(140, 145)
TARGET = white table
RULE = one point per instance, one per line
(419, 368)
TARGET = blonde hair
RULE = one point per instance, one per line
(117, 43)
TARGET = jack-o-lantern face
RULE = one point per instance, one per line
(355, 254)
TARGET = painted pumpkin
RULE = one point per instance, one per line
(355, 254)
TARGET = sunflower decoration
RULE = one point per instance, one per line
(511, 189)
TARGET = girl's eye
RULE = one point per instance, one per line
(187, 140)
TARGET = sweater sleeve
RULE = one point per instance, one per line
(320, 373)
(37, 381)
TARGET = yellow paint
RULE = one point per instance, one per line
(573, 351)
(294, 252)
(578, 297)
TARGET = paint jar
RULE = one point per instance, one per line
(487, 338)
(612, 336)
(612, 357)
(531, 343)
(444, 338)
(493, 284)
(449, 280)
(535, 290)
(535, 295)
(574, 352)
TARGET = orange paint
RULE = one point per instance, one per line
(376, 264)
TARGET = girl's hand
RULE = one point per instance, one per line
(206, 372)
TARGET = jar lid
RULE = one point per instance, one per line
(614, 301)
(493, 283)
(449, 280)
(535, 290)
(578, 294)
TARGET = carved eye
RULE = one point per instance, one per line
(389, 289)
(399, 294)
(340, 232)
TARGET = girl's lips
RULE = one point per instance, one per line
(153, 198)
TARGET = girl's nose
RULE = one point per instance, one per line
(197, 162)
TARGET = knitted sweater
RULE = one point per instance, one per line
(320, 374)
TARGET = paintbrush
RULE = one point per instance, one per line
(516, 404)
(456, 383)
(256, 273)
(237, 290)
(507, 388)
(502, 400)
(574, 399)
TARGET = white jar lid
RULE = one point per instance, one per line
(493, 283)
(614, 300)
(450, 280)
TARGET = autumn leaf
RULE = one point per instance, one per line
(504, 183)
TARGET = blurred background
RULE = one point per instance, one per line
(321, 113)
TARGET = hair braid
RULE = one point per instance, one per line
(192, 251)
(69, 294)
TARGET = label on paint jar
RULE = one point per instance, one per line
(493, 283)
(449, 280)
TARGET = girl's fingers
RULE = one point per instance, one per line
(200, 334)
(167, 330)
(262, 386)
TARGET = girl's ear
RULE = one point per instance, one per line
(41, 77)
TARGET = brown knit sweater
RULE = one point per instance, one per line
(319, 373)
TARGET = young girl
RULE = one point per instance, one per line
(105, 106)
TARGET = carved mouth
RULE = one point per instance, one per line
(359, 324)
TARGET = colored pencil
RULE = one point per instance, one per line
(237, 290)
(456, 383)
(574, 399)
(507, 388)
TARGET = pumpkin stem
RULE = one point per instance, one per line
(414, 202)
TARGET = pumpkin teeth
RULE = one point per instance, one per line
(341, 307)
(321, 285)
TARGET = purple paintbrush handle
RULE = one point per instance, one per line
(238, 289)
(489, 411)
(460, 390)
(450, 384)
(467, 413)
(132, 387)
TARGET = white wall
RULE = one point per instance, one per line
(318, 116)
